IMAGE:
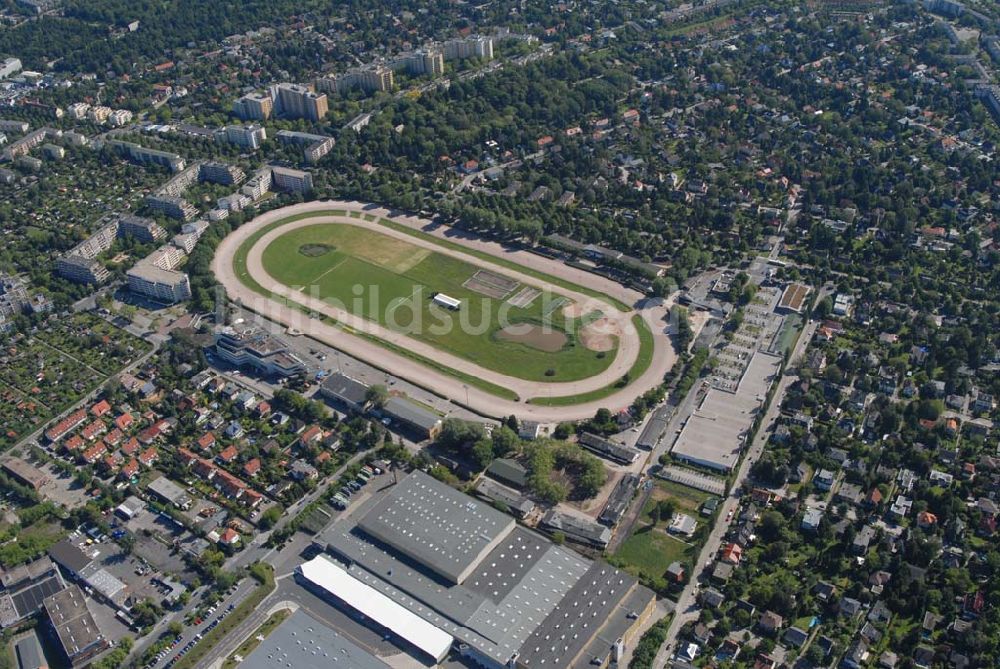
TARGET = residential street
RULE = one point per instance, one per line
(687, 608)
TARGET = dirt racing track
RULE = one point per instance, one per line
(335, 329)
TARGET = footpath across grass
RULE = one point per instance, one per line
(264, 574)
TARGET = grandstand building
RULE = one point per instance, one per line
(256, 348)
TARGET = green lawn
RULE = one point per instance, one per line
(391, 282)
(686, 500)
(638, 368)
(618, 304)
(789, 333)
(649, 552)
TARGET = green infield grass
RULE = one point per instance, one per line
(392, 282)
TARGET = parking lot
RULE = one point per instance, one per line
(192, 634)
(154, 540)
(130, 570)
(62, 489)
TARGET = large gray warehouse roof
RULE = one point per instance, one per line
(344, 388)
(521, 583)
(305, 643)
(437, 526)
(75, 626)
(579, 616)
(410, 413)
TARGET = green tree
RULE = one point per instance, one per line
(270, 517)
(377, 395)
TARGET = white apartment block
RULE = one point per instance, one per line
(119, 118)
(247, 136)
(470, 47)
(99, 114)
(78, 110)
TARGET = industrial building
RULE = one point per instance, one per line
(619, 500)
(437, 571)
(714, 434)
(620, 453)
(68, 556)
(344, 391)
(412, 417)
(25, 473)
(509, 472)
(29, 652)
(303, 642)
(498, 494)
(25, 588)
(576, 528)
(79, 637)
(655, 428)
(169, 492)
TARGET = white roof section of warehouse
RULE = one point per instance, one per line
(367, 600)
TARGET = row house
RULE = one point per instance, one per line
(66, 425)
(94, 453)
(93, 430)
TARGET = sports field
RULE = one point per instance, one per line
(392, 282)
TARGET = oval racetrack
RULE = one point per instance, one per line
(655, 313)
